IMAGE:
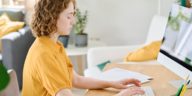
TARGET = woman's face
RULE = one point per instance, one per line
(66, 20)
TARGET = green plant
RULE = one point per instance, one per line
(81, 21)
(188, 3)
(174, 20)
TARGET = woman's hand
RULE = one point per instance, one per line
(130, 91)
(122, 84)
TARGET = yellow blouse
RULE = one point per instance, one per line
(47, 69)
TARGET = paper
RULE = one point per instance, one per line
(119, 74)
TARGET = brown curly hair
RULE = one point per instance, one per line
(46, 14)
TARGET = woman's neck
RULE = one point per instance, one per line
(54, 37)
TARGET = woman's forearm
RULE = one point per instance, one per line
(91, 83)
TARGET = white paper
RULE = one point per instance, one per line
(119, 74)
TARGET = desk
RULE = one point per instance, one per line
(160, 83)
(79, 52)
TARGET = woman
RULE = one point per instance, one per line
(47, 70)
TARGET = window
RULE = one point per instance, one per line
(19, 2)
(12, 2)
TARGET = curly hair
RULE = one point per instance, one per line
(45, 17)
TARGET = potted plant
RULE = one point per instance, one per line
(81, 38)
(64, 39)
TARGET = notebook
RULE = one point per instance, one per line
(119, 74)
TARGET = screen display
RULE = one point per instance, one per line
(177, 40)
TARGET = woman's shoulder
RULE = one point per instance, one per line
(41, 45)
(39, 49)
(38, 56)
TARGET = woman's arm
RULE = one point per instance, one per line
(90, 83)
(64, 92)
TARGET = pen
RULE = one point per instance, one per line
(183, 90)
(179, 90)
(183, 87)
(188, 82)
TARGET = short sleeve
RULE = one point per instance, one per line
(54, 73)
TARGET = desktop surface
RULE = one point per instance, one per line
(160, 83)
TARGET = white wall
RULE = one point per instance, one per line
(165, 7)
(119, 22)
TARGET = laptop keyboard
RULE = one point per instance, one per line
(148, 91)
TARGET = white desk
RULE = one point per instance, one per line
(79, 52)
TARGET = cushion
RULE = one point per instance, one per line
(148, 52)
(15, 14)
(4, 19)
(8, 26)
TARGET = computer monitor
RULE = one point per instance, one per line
(176, 49)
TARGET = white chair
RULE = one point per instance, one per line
(98, 55)
(12, 89)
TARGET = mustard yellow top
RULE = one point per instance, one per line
(47, 69)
